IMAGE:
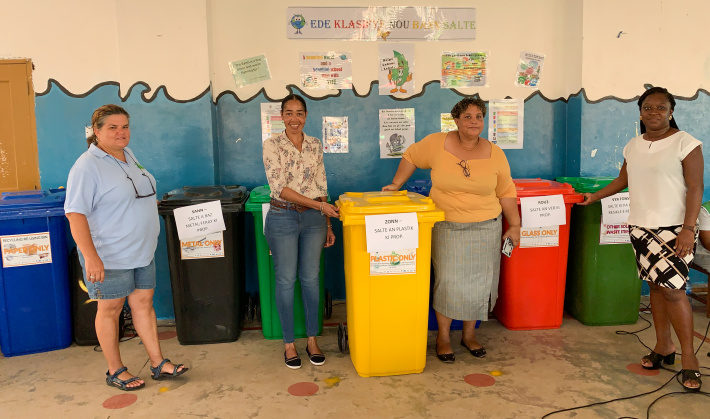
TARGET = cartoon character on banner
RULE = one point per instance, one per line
(298, 22)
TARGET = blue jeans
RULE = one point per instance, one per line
(296, 241)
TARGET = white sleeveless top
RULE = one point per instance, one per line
(656, 184)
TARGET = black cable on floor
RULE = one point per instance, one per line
(644, 309)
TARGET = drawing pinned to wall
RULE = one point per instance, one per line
(505, 122)
(529, 69)
(326, 70)
(396, 73)
(271, 121)
(447, 123)
(335, 134)
(396, 132)
(250, 70)
(464, 69)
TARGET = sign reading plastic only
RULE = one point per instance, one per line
(393, 263)
(615, 209)
(203, 247)
(199, 220)
(25, 249)
(388, 232)
(543, 211)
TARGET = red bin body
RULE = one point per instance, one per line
(531, 292)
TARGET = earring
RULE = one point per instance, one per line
(670, 117)
(640, 117)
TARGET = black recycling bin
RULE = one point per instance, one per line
(207, 272)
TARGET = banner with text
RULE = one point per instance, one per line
(395, 23)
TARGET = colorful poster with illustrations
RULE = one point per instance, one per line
(335, 134)
(26, 249)
(396, 72)
(447, 123)
(326, 70)
(271, 121)
(505, 122)
(250, 70)
(464, 69)
(396, 132)
(529, 69)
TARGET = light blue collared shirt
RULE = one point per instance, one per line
(124, 228)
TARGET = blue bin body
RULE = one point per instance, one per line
(35, 305)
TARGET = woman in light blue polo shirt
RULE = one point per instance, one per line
(113, 217)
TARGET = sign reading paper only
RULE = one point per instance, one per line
(199, 220)
(543, 211)
(390, 232)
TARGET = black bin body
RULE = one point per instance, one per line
(208, 293)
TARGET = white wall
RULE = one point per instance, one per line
(185, 44)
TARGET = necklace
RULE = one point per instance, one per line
(478, 140)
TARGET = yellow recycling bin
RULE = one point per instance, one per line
(387, 292)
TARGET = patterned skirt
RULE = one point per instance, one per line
(466, 268)
(656, 259)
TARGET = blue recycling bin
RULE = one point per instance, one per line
(423, 186)
(35, 304)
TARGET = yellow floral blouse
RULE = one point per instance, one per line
(286, 167)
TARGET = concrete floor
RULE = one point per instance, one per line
(532, 374)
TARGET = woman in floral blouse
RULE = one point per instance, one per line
(298, 223)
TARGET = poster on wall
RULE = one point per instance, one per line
(464, 69)
(326, 70)
(335, 134)
(505, 122)
(448, 123)
(529, 69)
(250, 70)
(396, 132)
(393, 23)
(271, 121)
(396, 72)
(26, 249)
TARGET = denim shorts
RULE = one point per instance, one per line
(120, 283)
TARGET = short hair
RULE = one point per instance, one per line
(464, 103)
(293, 97)
(650, 92)
(98, 119)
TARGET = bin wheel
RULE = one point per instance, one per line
(343, 338)
(250, 309)
(328, 305)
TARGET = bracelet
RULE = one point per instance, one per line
(694, 229)
(330, 226)
(321, 208)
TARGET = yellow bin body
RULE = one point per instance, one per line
(387, 314)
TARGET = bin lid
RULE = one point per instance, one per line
(32, 204)
(258, 196)
(354, 206)
(540, 187)
(588, 183)
(231, 196)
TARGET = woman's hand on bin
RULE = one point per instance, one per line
(329, 238)
(94, 269)
(391, 188)
(514, 233)
(588, 199)
(330, 210)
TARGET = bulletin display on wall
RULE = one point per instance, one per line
(395, 23)
(326, 70)
(505, 122)
(335, 134)
(271, 121)
(250, 70)
(464, 69)
(529, 71)
(447, 123)
(396, 132)
(396, 72)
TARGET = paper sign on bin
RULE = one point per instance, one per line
(615, 208)
(543, 211)
(199, 220)
(388, 232)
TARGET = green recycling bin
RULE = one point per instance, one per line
(258, 205)
(603, 287)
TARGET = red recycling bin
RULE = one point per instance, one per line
(531, 291)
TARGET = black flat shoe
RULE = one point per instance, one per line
(316, 359)
(692, 375)
(656, 358)
(445, 358)
(478, 353)
(293, 363)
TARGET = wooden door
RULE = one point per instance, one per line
(19, 166)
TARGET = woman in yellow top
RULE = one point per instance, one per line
(471, 183)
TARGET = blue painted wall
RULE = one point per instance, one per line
(196, 143)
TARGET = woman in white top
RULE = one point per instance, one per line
(663, 169)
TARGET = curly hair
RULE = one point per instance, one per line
(465, 103)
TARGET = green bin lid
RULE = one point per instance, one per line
(257, 197)
(589, 184)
